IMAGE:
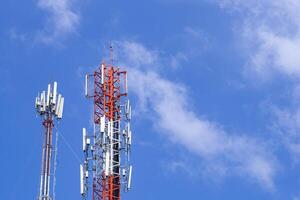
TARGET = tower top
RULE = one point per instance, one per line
(50, 103)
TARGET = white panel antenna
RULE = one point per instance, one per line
(102, 124)
(129, 178)
(82, 192)
(48, 94)
(58, 105)
(124, 172)
(108, 129)
(128, 110)
(127, 106)
(86, 85)
(107, 163)
(43, 97)
(54, 93)
(83, 139)
(61, 108)
(129, 137)
(37, 102)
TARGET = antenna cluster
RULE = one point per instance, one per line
(106, 168)
(48, 103)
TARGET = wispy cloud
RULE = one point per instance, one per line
(271, 28)
(168, 102)
(61, 19)
(14, 35)
(286, 125)
(137, 55)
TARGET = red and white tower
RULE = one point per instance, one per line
(49, 107)
(107, 150)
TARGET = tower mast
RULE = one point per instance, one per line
(108, 157)
(49, 107)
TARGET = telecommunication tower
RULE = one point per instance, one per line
(49, 106)
(107, 149)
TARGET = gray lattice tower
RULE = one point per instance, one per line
(49, 106)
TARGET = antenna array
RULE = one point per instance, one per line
(106, 168)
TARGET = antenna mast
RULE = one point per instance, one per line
(107, 150)
(49, 107)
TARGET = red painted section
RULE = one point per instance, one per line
(107, 97)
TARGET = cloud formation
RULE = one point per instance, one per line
(239, 154)
(62, 19)
(271, 28)
(286, 125)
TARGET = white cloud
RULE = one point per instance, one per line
(14, 35)
(287, 125)
(138, 55)
(62, 19)
(168, 103)
(272, 29)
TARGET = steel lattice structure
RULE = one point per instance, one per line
(49, 107)
(107, 158)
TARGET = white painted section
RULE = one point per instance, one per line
(111, 147)
(48, 188)
(45, 184)
(41, 185)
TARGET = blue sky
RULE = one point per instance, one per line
(214, 84)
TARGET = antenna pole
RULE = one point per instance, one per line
(111, 54)
(46, 162)
(49, 109)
